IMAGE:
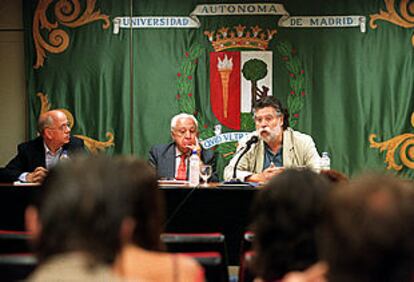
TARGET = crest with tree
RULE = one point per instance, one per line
(255, 70)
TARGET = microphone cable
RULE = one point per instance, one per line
(183, 201)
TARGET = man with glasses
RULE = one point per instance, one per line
(35, 157)
(171, 160)
(279, 146)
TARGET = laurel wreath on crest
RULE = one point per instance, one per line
(296, 95)
(186, 101)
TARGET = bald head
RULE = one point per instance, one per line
(48, 119)
(54, 128)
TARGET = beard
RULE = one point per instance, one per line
(268, 134)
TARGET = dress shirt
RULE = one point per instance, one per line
(50, 161)
(178, 154)
(269, 157)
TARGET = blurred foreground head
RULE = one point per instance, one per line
(80, 208)
(144, 202)
(286, 214)
(369, 229)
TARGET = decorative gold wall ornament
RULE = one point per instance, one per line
(93, 145)
(406, 19)
(406, 141)
(67, 13)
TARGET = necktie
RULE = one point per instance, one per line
(182, 169)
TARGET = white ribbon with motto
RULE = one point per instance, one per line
(323, 21)
(200, 10)
(238, 9)
(223, 138)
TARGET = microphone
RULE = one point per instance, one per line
(253, 140)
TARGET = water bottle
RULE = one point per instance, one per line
(325, 161)
(194, 169)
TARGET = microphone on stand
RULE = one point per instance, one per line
(253, 140)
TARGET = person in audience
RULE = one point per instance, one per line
(171, 160)
(368, 231)
(334, 176)
(142, 255)
(77, 219)
(278, 146)
(285, 218)
(35, 157)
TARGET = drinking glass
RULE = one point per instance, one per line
(205, 173)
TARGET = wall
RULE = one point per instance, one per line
(12, 79)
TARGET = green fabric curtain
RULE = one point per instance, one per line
(354, 84)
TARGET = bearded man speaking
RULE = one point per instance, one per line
(279, 146)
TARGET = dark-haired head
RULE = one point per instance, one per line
(271, 101)
(285, 219)
(334, 176)
(79, 209)
(145, 202)
(368, 230)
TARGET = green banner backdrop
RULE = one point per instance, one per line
(341, 85)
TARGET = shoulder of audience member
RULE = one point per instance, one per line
(189, 269)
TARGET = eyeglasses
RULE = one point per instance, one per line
(61, 128)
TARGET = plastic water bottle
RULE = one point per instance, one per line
(325, 161)
(194, 175)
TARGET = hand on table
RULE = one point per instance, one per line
(266, 174)
(38, 175)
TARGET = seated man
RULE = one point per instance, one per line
(36, 156)
(278, 146)
(171, 160)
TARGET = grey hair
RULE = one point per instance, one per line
(278, 113)
(176, 118)
(44, 122)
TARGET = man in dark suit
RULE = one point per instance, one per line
(167, 158)
(36, 156)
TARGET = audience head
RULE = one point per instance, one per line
(335, 177)
(270, 118)
(79, 208)
(145, 203)
(54, 128)
(286, 214)
(369, 229)
(184, 130)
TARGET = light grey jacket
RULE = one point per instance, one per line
(298, 150)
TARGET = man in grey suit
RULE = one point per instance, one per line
(167, 158)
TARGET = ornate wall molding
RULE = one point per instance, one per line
(403, 18)
(67, 13)
(405, 143)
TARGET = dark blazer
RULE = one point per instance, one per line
(162, 157)
(31, 154)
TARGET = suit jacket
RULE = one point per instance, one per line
(31, 154)
(298, 150)
(162, 157)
